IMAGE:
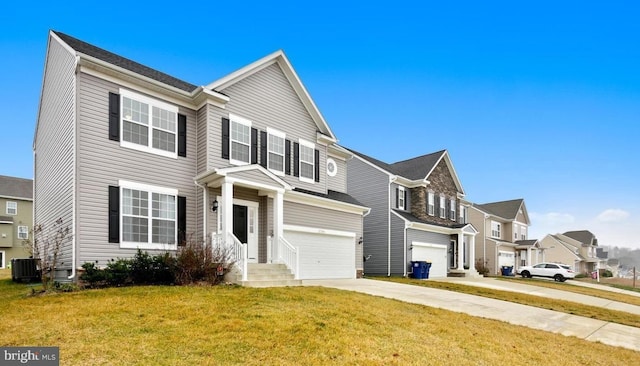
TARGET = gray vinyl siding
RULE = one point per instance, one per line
(55, 147)
(102, 162)
(370, 187)
(267, 99)
(255, 176)
(339, 182)
(202, 128)
(398, 264)
(323, 218)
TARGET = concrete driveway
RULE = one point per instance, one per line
(528, 316)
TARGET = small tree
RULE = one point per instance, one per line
(482, 266)
(198, 261)
(45, 247)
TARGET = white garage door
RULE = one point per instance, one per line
(506, 259)
(434, 253)
(324, 254)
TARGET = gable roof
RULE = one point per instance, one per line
(282, 61)
(16, 187)
(125, 63)
(505, 209)
(584, 236)
(418, 168)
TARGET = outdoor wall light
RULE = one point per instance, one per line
(214, 206)
(360, 241)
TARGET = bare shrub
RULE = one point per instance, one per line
(201, 261)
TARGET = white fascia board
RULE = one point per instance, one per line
(339, 152)
(314, 230)
(411, 183)
(428, 245)
(307, 199)
(223, 173)
(17, 198)
(452, 170)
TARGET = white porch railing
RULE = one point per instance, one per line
(239, 253)
(289, 255)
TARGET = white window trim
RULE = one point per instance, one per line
(12, 203)
(26, 231)
(462, 214)
(243, 121)
(431, 204)
(152, 103)
(499, 231)
(443, 209)
(452, 209)
(312, 146)
(3, 256)
(123, 184)
(401, 198)
(283, 136)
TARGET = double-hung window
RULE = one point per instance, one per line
(443, 208)
(452, 209)
(149, 216)
(148, 124)
(431, 209)
(275, 151)
(462, 217)
(401, 198)
(12, 208)
(23, 232)
(496, 230)
(240, 140)
(307, 161)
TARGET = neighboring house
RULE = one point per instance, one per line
(503, 235)
(417, 214)
(16, 217)
(568, 248)
(132, 158)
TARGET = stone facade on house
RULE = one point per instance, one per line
(441, 182)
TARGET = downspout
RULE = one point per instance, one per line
(484, 239)
(75, 174)
(404, 273)
(391, 180)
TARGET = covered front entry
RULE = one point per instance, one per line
(324, 254)
(245, 226)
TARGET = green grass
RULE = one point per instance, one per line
(568, 307)
(613, 296)
(170, 325)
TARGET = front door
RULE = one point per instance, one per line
(245, 227)
(453, 254)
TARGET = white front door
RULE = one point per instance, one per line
(245, 226)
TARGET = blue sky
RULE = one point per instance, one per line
(539, 101)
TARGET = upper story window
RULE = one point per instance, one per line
(12, 208)
(23, 232)
(240, 140)
(462, 217)
(148, 124)
(452, 209)
(307, 161)
(275, 151)
(431, 205)
(496, 229)
(443, 207)
(401, 198)
(523, 233)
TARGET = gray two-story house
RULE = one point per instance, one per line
(16, 218)
(132, 158)
(417, 214)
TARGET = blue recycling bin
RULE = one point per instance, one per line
(507, 270)
(420, 269)
(427, 267)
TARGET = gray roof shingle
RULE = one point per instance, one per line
(413, 169)
(16, 187)
(125, 63)
(332, 195)
(505, 209)
(409, 217)
(583, 236)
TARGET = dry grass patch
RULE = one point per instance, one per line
(569, 307)
(167, 325)
(609, 295)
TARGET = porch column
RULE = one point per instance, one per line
(529, 262)
(460, 251)
(278, 222)
(226, 213)
(205, 213)
(472, 252)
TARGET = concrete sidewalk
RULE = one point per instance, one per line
(603, 287)
(532, 289)
(528, 316)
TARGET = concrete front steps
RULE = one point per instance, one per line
(469, 273)
(268, 275)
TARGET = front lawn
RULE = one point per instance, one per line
(171, 325)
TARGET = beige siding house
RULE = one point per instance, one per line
(575, 248)
(143, 160)
(16, 218)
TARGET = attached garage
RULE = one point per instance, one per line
(506, 259)
(434, 253)
(324, 254)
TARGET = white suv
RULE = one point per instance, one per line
(557, 271)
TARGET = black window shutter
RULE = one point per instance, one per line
(287, 157)
(225, 138)
(114, 214)
(296, 159)
(404, 202)
(316, 164)
(182, 135)
(397, 197)
(254, 146)
(263, 148)
(182, 220)
(114, 116)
